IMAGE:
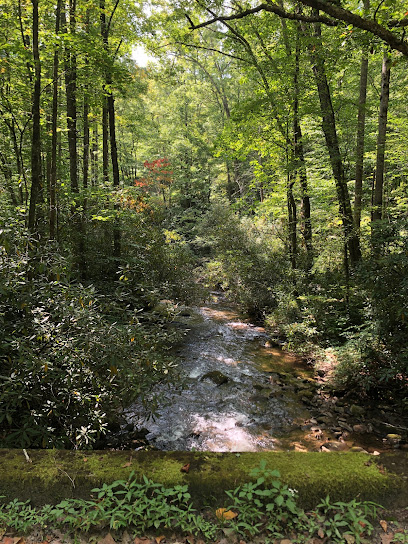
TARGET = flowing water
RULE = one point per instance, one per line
(230, 397)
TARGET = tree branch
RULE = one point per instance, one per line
(336, 13)
(269, 7)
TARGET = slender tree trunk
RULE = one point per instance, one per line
(85, 157)
(110, 111)
(292, 222)
(358, 190)
(112, 139)
(36, 181)
(54, 138)
(381, 139)
(95, 153)
(105, 114)
(332, 143)
(300, 163)
(8, 176)
(71, 89)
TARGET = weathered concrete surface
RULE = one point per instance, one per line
(56, 474)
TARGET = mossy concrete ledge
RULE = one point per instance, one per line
(56, 474)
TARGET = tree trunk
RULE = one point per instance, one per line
(292, 222)
(112, 138)
(332, 143)
(71, 88)
(381, 139)
(54, 140)
(36, 181)
(300, 163)
(358, 189)
(85, 149)
(109, 104)
(8, 176)
(94, 171)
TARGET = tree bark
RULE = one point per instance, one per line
(358, 188)
(94, 167)
(292, 222)
(381, 139)
(332, 143)
(54, 139)
(300, 162)
(36, 181)
(71, 88)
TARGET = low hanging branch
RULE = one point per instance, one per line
(336, 14)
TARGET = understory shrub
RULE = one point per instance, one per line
(73, 354)
(246, 262)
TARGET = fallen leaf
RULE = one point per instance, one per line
(143, 540)
(158, 539)
(350, 539)
(85, 459)
(128, 464)
(384, 525)
(7, 540)
(387, 539)
(320, 532)
(285, 541)
(223, 514)
(376, 453)
(190, 539)
(108, 539)
(186, 468)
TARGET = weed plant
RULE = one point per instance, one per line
(264, 506)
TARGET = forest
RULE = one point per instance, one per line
(260, 153)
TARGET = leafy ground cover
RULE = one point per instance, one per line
(262, 510)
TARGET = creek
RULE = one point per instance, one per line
(239, 391)
(231, 396)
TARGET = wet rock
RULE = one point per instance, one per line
(393, 439)
(129, 428)
(360, 429)
(324, 419)
(357, 449)
(356, 411)
(216, 377)
(346, 426)
(335, 445)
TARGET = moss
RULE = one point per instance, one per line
(55, 474)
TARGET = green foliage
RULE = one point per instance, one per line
(246, 264)
(264, 507)
(73, 354)
(336, 520)
(142, 505)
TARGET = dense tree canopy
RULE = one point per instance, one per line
(264, 148)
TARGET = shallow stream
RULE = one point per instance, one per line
(231, 396)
